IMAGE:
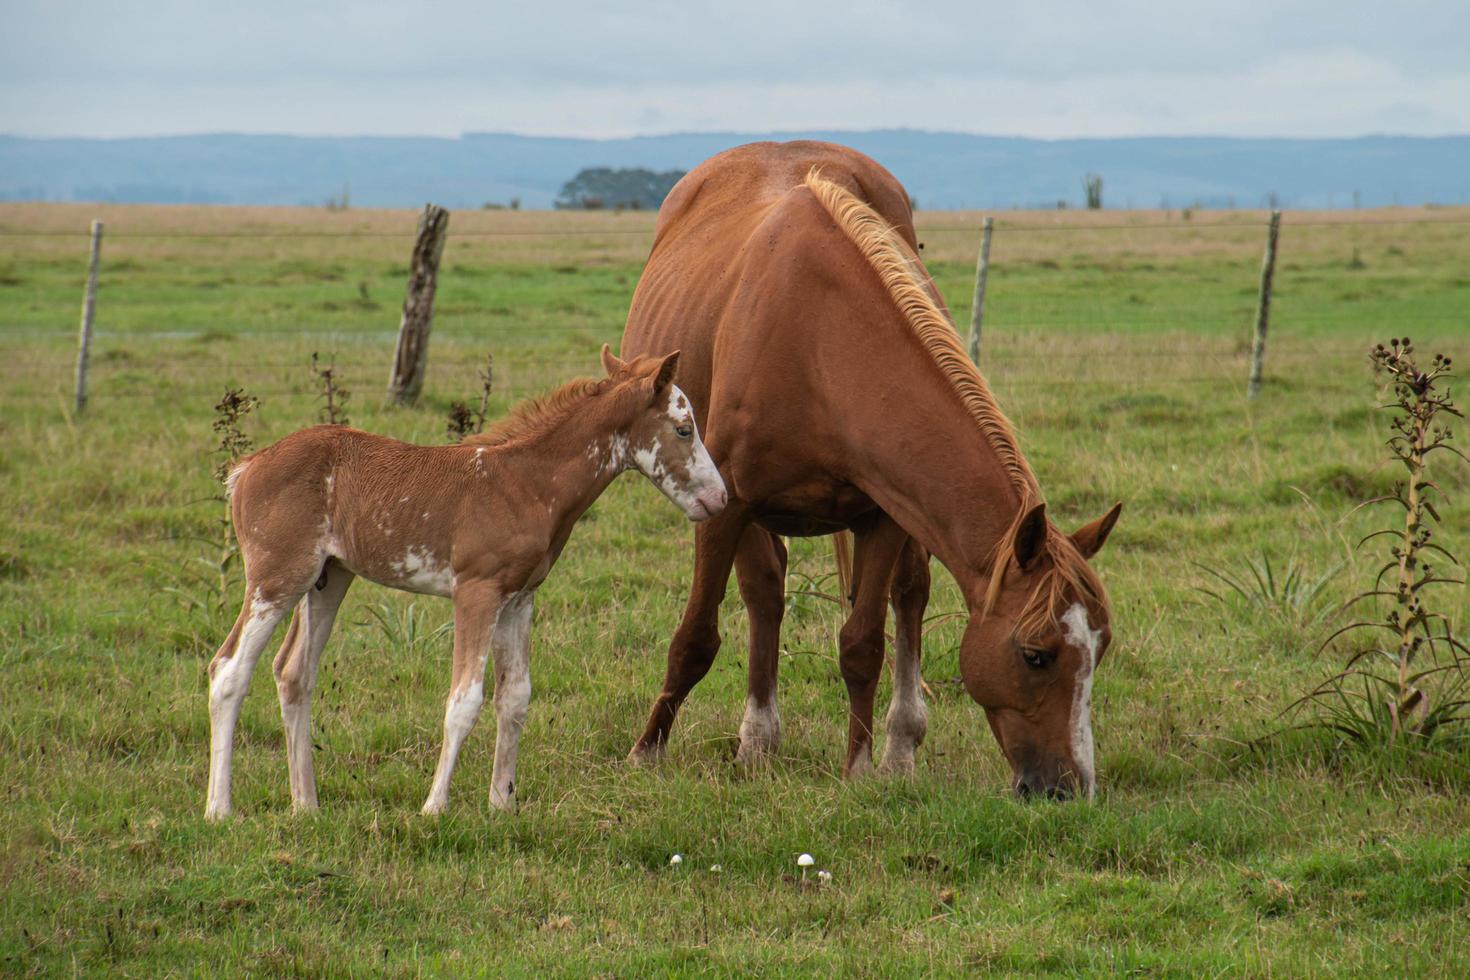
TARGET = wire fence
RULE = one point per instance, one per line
(1144, 308)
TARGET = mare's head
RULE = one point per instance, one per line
(663, 440)
(1029, 655)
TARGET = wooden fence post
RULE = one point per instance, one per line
(1263, 306)
(982, 272)
(411, 359)
(89, 310)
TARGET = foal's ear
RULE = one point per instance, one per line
(664, 375)
(1089, 538)
(610, 361)
(1029, 542)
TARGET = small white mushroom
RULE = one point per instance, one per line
(676, 860)
(805, 861)
(824, 876)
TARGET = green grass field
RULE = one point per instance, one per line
(1118, 343)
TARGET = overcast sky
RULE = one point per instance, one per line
(1045, 68)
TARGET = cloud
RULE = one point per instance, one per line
(1043, 69)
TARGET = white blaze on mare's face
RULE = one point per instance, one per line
(1080, 634)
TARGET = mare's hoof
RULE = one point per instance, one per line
(755, 753)
(646, 755)
(859, 766)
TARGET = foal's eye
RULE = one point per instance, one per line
(1037, 658)
(683, 431)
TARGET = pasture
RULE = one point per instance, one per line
(1117, 342)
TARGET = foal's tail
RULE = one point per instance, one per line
(234, 475)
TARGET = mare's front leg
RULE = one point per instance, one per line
(907, 719)
(860, 655)
(697, 640)
(476, 605)
(760, 568)
(510, 643)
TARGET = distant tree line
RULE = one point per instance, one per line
(620, 188)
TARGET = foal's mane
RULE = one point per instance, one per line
(896, 265)
(538, 416)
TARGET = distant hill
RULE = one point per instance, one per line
(941, 170)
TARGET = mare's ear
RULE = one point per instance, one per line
(610, 361)
(663, 375)
(1029, 542)
(1089, 538)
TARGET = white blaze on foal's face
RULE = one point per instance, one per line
(667, 449)
(1080, 635)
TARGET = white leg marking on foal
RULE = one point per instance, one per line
(459, 718)
(1081, 635)
(226, 692)
(511, 646)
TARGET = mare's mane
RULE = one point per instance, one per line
(890, 257)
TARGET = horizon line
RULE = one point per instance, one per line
(793, 133)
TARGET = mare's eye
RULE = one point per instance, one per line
(1037, 658)
(683, 431)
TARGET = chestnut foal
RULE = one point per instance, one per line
(482, 522)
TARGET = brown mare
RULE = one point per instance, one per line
(482, 521)
(836, 395)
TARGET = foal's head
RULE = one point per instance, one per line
(663, 439)
(1028, 657)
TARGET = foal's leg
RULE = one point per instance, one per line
(476, 605)
(229, 679)
(907, 719)
(295, 669)
(860, 656)
(760, 568)
(510, 644)
(695, 642)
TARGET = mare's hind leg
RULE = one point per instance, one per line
(229, 679)
(860, 654)
(760, 568)
(697, 640)
(907, 719)
(296, 668)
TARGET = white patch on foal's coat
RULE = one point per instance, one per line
(1081, 635)
(420, 570)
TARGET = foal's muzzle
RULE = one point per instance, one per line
(709, 503)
